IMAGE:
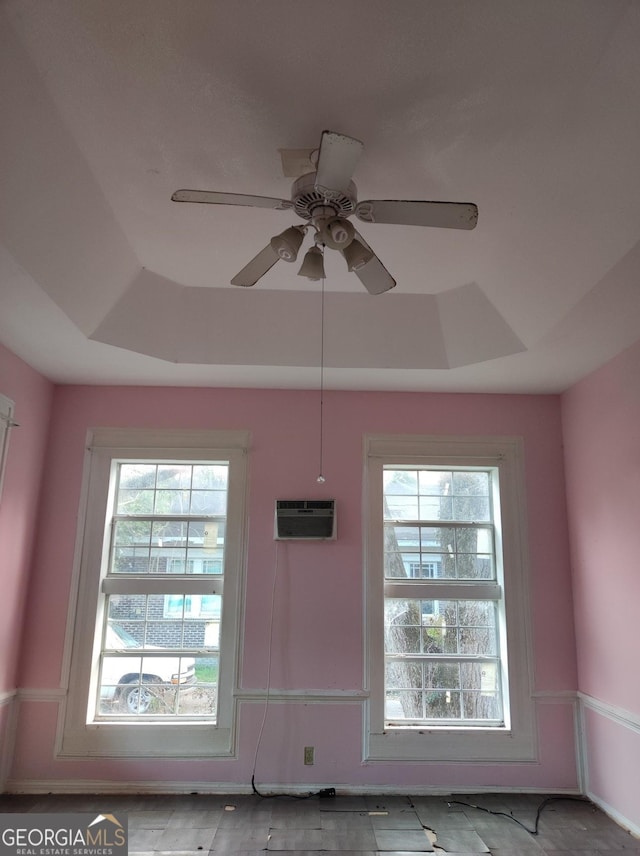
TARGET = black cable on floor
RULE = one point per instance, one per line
(324, 793)
(541, 807)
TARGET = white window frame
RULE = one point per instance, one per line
(6, 423)
(81, 734)
(516, 739)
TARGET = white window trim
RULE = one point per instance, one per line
(517, 741)
(180, 738)
(6, 424)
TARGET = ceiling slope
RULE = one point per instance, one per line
(530, 110)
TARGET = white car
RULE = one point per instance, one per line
(123, 683)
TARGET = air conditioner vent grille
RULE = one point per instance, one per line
(305, 519)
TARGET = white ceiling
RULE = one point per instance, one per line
(529, 108)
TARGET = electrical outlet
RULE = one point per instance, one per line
(309, 753)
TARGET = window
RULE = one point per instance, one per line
(448, 654)
(6, 423)
(160, 571)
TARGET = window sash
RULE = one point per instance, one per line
(425, 537)
(185, 542)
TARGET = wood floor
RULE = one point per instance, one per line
(190, 825)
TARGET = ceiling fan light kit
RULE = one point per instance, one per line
(313, 265)
(325, 199)
(288, 243)
(335, 233)
(356, 255)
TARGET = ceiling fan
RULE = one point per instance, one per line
(326, 198)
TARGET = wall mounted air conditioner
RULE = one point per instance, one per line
(305, 520)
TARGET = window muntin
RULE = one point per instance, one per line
(159, 651)
(443, 602)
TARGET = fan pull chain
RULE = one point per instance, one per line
(321, 479)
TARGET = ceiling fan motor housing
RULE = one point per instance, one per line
(307, 196)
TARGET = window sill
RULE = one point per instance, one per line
(471, 745)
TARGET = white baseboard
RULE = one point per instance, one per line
(622, 821)
(98, 786)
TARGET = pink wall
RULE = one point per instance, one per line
(601, 417)
(601, 422)
(319, 599)
(32, 396)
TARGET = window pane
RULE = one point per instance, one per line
(434, 539)
(177, 489)
(208, 502)
(471, 496)
(432, 690)
(418, 692)
(473, 509)
(169, 533)
(413, 627)
(431, 629)
(210, 477)
(401, 507)
(130, 559)
(144, 686)
(435, 482)
(435, 508)
(433, 552)
(429, 494)
(162, 621)
(125, 629)
(168, 547)
(158, 687)
(135, 502)
(136, 488)
(132, 532)
(399, 482)
(201, 699)
(174, 476)
(137, 476)
(468, 627)
(471, 483)
(138, 682)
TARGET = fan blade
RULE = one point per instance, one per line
(375, 277)
(257, 267)
(336, 162)
(214, 197)
(446, 215)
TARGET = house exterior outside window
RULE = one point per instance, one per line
(154, 635)
(448, 642)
